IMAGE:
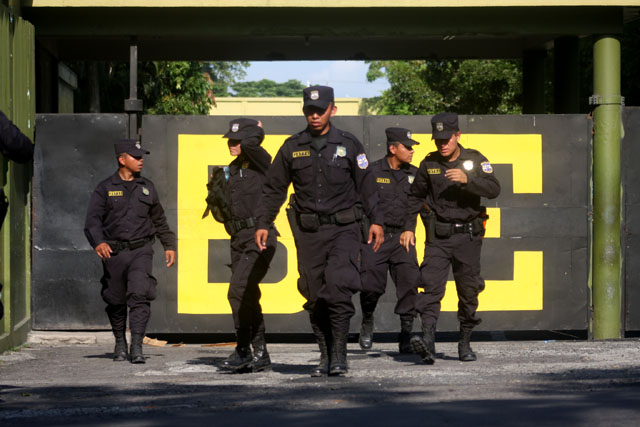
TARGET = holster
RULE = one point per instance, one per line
(291, 216)
(429, 221)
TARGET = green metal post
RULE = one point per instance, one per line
(606, 261)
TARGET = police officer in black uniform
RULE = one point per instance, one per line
(450, 181)
(393, 175)
(123, 218)
(329, 171)
(249, 265)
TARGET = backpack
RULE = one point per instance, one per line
(217, 202)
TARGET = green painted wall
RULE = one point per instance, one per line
(17, 93)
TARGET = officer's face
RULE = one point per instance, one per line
(133, 163)
(402, 152)
(318, 119)
(448, 147)
(235, 149)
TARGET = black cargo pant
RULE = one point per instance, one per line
(127, 281)
(248, 267)
(403, 267)
(462, 254)
(328, 263)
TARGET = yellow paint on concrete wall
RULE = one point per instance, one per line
(197, 296)
(244, 106)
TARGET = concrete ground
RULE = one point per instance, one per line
(70, 379)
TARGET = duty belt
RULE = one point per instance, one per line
(236, 225)
(446, 229)
(392, 228)
(119, 245)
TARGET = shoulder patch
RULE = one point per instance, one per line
(486, 167)
(362, 161)
(116, 193)
(303, 153)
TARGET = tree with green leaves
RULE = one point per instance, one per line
(266, 88)
(466, 87)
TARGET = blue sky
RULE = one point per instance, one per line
(348, 78)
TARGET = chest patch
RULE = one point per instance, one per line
(341, 151)
(486, 167)
(306, 153)
(410, 178)
(467, 165)
(116, 193)
(145, 191)
(383, 180)
(434, 171)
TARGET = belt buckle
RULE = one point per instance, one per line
(458, 227)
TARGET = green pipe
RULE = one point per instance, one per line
(606, 261)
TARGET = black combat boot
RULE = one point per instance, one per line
(136, 348)
(261, 360)
(338, 365)
(465, 354)
(321, 337)
(120, 351)
(241, 359)
(425, 346)
(404, 339)
(366, 331)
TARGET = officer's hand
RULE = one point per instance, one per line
(170, 257)
(259, 123)
(104, 250)
(456, 175)
(376, 231)
(407, 238)
(261, 238)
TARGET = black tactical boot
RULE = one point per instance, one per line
(404, 344)
(241, 359)
(120, 351)
(465, 354)
(323, 367)
(366, 331)
(261, 360)
(425, 346)
(136, 348)
(338, 365)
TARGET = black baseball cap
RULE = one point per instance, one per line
(401, 135)
(129, 146)
(239, 128)
(317, 96)
(443, 125)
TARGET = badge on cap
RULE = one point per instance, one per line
(409, 135)
(235, 127)
(439, 127)
(314, 95)
(362, 161)
(468, 165)
(486, 167)
(341, 151)
(410, 178)
(145, 191)
(138, 145)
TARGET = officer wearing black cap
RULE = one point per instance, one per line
(329, 171)
(393, 175)
(249, 265)
(449, 184)
(123, 218)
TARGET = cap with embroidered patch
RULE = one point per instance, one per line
(239, 128)
(129, 146)
(317, 96)
(443, 125)
(401, 135)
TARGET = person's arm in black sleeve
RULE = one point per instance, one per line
(366, 187)
(14, 145)
(253, 151)
(95, 217)
(165, 235)
(274, 191)
(484, 182)
(417, 195)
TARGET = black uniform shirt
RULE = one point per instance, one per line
(247, 174)
(117, 213)
(326, 181)
(393, 190)
(452, 202)
(14, 145)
